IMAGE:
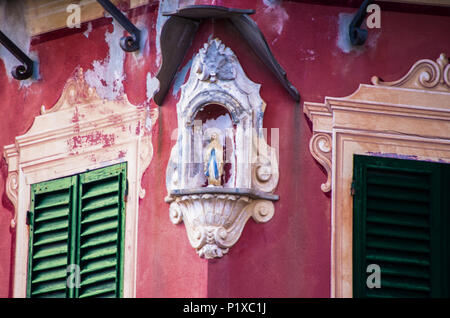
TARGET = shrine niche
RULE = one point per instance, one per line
(221, 171)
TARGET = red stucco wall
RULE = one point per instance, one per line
(288, 256)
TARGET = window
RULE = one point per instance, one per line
(78, 220)
(80, 132)
(400, 223)
(406, 118)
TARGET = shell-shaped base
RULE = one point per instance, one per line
(214, 222)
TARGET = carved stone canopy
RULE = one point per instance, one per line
(215, 215)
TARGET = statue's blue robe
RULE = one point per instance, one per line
(213, 161)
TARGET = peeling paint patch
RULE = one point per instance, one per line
(76, 116)
(36, 76)
(138, 129)
(152, 86)
(148, 120)
(180, 77)
(373, 39)
(107, 75)
(308, 55)
(92, 158)
(91, 139)
(88, 30)
(343, 39)
(144, 48)
(277, 14)
(141, 24)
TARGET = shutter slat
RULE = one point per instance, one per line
(397, 193)
(97, 277)
(52, 200)
(54, 294)
(100, 252)
(100, 203)
(410, 271)
(49, 275)
(49, 287)
(375, 256)
(401, 180)
(100, 227)
(394, 231)
(108, 288)
(96, 265)
(413, 284)
(106, 186)
(49, 263)
(396, 244)
(51, 238)
(51, 214)
(53, 226)
(100, 214)
(55, 249)
(395, 206)
(110, 237)
(412, 221)
(395, 293)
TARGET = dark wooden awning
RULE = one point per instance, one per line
(179, 31)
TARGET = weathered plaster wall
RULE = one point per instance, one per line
(286, 257)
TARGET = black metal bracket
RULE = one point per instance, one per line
(357, 35)
(127, 43)
(19, 72)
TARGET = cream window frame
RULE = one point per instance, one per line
(81, 132)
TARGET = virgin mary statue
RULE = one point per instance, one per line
(213, 161)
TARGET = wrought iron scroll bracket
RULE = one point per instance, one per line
(19, 72)
(128, 43)
(357, 35)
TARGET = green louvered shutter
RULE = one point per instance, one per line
(400, 223)
(50, 237)
(101, 231)
(78, 220)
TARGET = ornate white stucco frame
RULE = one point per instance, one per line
(215, 217)
(81, 132)
(408, 118)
